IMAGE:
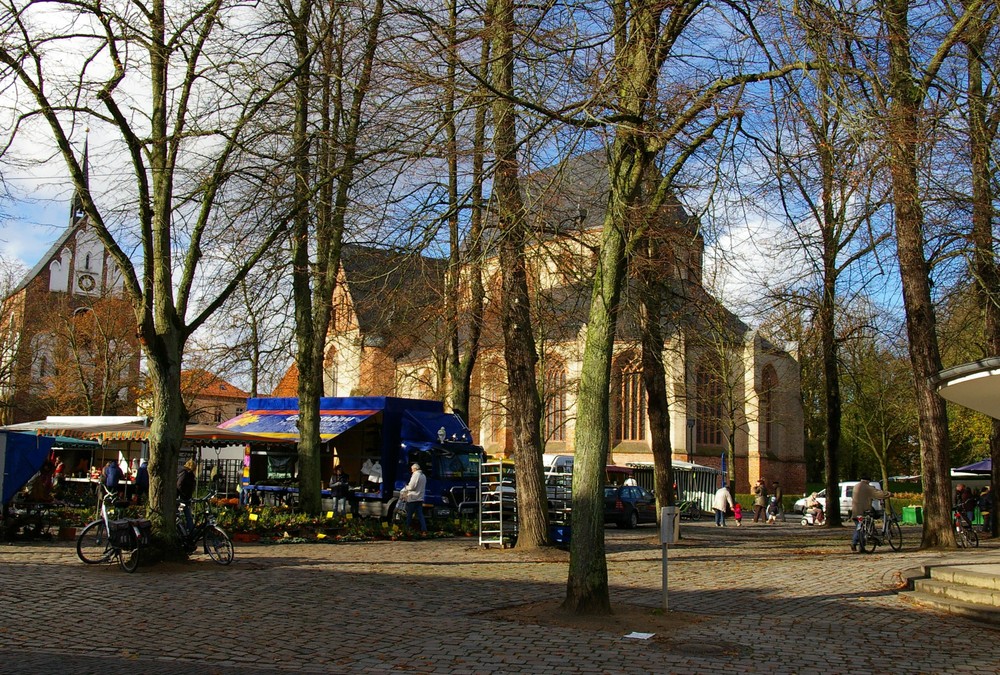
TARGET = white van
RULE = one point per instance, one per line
(846, 498)
(556, 464)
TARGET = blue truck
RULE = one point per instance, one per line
(374, 439)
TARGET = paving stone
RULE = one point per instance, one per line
(779, 598)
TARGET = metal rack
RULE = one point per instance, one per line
(497, 504)
(559, 490)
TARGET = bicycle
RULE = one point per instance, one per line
(689, 509)
(965, 535)
(215, 542)
(890, 533)
(106, 539)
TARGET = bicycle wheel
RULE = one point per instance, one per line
(129, 560)
(868, 540)
(895, 535)
(92, 544)
(218, 546)
(971, 538)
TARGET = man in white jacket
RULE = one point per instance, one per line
(413, 496)
(722, 502)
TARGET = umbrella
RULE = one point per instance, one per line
(984, 466)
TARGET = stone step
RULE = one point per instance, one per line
(977, 595)
(981, 576)
(942, 603)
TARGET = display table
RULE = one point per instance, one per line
(273, 495)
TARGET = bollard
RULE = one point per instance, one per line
(669, 533)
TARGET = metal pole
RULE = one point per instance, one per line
(666, 604)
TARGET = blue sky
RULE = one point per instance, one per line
(28, 228)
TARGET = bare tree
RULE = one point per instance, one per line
(904, 91)
(825, 173)
(984, 119)
(520, 352)
(645, 37)
(185, 145)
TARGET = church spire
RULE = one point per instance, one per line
(76, 211)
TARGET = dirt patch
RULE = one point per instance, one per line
(624, 619)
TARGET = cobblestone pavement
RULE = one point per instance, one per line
(778, 599)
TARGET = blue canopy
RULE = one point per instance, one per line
(983, 466)
(21, 456)
(283, 423)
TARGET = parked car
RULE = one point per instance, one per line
(846, 497)
(628, 505)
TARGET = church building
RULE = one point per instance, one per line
(727, 384)
(67, 334)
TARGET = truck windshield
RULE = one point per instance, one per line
(459, 465)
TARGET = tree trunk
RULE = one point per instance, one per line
(655, 381)
(519, 341)
(166, 434)
(984, 264)
(462, 358)
(903, 134)
(587, 586)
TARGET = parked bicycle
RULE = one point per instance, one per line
(107, 539)
(689, 509)
(889, 532)
(215, 542)
(965, 535)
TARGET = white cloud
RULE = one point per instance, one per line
(748, 260)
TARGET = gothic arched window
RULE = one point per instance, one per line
(709, 405)
(555, 402)
(630, 408)
(330, 371)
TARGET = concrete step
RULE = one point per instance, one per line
(978, 576)
(942, 603)
(971, 590)
(978, 595)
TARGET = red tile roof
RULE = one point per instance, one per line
(203, 383)
(288, 387)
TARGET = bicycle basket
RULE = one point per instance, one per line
(122, 534)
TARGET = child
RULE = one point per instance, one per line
(738, 514)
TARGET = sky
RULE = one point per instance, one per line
(27, 230)
(738, 265)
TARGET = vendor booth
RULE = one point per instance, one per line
(374, 440)
(21, 456)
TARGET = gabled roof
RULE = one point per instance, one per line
(394, 293)
(203, 383)
(288, 386)
(44, 261)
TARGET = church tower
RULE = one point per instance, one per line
(67, 334)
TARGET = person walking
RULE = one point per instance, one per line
(185, 493)
(413, 496)
(759, 500)
(986, 508)
(722, 502)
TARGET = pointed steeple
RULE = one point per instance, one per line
(76, 211)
